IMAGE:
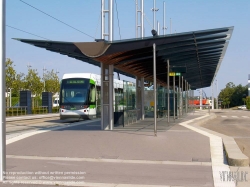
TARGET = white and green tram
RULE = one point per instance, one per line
(80, 95)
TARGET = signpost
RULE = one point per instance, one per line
(174, 74)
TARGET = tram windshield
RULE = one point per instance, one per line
(74, 91)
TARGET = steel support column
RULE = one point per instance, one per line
(111, 20)
(212, 95)
(138, 98)
(2, 100)
(168, 87)
(155, 86)
(179, 96)
(201, 99)
(190, 97)
(142, 98)
(186, 96)
(107, 97)
(142, 21)
(192, 92)
(182, 103)
(111, 97)
(164, 17)
(174, 96)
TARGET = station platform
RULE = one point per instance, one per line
(129, 156)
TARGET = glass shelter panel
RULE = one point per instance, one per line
(118, 104)
(162, 102)
(129, 95)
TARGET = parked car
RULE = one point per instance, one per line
(242, 107)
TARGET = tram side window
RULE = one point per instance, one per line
(92, 94)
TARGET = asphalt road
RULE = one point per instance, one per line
(234, 123)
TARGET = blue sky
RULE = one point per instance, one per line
(186, 15)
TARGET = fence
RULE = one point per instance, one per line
(16, 111)
(22, 110)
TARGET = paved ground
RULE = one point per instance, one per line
(234, 123)
(130, 156)
(91, 142)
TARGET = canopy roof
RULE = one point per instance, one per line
(201, 52)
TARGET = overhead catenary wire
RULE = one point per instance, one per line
(58, 20)
(99, 20)
(27, 32)
(148, 21)
(118, 20)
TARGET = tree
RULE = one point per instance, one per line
(239, 93)
(248, 102)
(10, 74)
(232, 95)
(230, 85)
(18, 84)
(51, 82)
(225, 96)
(33, 82)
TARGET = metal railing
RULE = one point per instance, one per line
(42, 109)
(16, 111)
(22, 110)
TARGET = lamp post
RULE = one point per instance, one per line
(57, 72)
(217, 91)
(44, 69)
(201, 99)
(10, 96)
(244, 98)
(154, 11)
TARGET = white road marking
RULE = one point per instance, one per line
(245, 116)
(110, 160)
(81, 183)
(235, 117)
(224, 116)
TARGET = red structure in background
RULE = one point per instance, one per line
(197, 102)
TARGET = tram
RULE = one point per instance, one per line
(80, 95)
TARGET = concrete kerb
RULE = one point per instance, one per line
(233, 153)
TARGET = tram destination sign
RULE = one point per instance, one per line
(75, 81)
(173, 74)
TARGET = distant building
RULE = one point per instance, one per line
(249, 85)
